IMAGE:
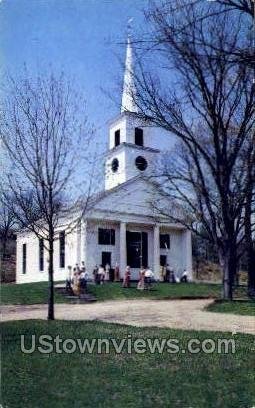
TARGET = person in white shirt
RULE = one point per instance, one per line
(83, 277)
(184, 277)
(101, 273)
(148, 278)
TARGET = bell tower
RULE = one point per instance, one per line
(131, 148)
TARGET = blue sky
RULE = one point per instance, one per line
(84, 38)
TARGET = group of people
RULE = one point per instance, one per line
(76, 282)
(167, 274)
(145, 278)
(103, 274)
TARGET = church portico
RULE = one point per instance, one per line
(134, 244)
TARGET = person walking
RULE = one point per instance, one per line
(76, 283)
(140, 284)
(107, 272)
(163, 273)
(83, 279)
(95, 274)
(127, 276)
(148, 278)
(101, 273)
(168, 273)
(172, 275)
(116, 273)
(184, 277)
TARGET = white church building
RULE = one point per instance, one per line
(121, 225)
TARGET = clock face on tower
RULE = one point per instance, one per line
(141, 163)
(115, 165)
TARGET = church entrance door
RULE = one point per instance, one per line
(106, 258)
(137, 249)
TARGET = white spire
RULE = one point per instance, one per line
(129, 90)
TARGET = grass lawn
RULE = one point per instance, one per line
(27, 293)
(159, 291)
(31, 293)
(123, 380)
(236, 307)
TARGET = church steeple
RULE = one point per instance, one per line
(133, 148)
(129, 89)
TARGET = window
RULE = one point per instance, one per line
(62, 249)
(41, 254)
(24, 258)
(165, 241)
(139, 136)
(141, 163)
(115, 165)
(117, 137)
(106, 236)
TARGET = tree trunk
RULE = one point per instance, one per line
(4, 244)
(2, 257)
(51, 280)
(250, 249)
(229, 267)
(251, 271)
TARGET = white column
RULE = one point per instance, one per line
(188, 253)
(123, 248)
(156, 252)
(84, 241)
(78, 243)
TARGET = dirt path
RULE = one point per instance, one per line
(178, 314)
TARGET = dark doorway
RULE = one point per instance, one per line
(106, 258)
(137, 249)
(163, 260)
